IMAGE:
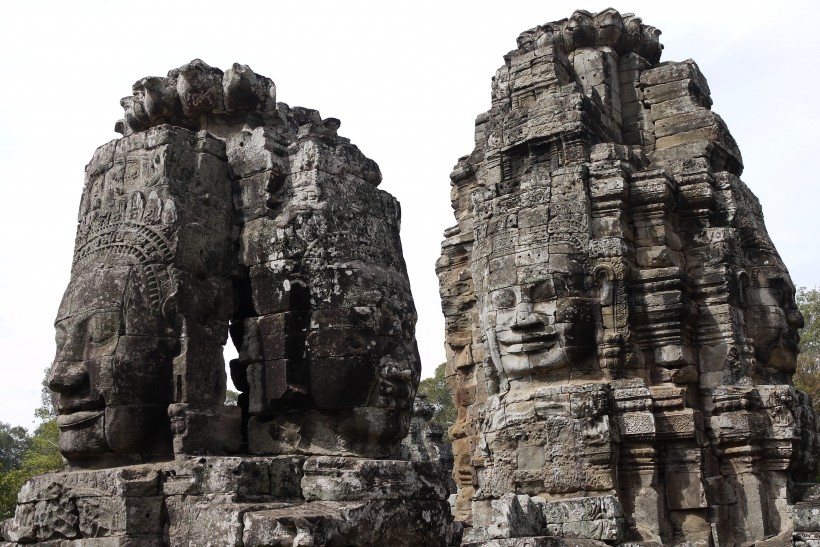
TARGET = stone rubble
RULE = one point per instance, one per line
(620, 330)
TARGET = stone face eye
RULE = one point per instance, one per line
(782, 292)
(504, 298)
(573, 310)
(61, 334)
(102, 326)
(542, 291)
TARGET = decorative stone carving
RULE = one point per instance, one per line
(222, 212)
(620, 330)
(251, 501)
(317, 294)
(141, 326)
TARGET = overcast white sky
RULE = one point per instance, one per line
(407, 80)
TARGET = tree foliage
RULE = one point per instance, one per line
(439, 395)
(14, 441)
(41, 455)
(22, 455)
(807, 376)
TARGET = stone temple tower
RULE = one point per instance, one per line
(620, 330)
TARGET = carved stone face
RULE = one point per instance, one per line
(534, 289)
(332, 354)
(111, 376)
(772, 317)
(539, 330)
(362, 357)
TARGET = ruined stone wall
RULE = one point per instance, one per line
(620, 331)
(261, 501)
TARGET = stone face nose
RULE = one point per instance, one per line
(68, 372)
(526, 318)
(795, 318)
(67, 376)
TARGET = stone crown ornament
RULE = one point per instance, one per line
(621, 33)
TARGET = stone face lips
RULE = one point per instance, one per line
(221, 206)
(620, 330)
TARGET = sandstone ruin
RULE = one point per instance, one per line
(222, 210)
(621, 332)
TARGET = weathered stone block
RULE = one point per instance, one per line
(413, 523)
(338, 479)
(206, 429)
(114, 516)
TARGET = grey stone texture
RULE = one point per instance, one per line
(620, 330)
(223, 500)
(427, 440)
(220, 206)
(219, 213)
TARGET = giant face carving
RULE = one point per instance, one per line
(143, 320)
(771, 316)
(331, 360)
(538, 330)
(111, 376)
(365, 366)
(534, 292)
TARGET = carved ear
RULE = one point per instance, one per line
(493, 370)
(612, 334)
(168, 306)
(605, 280)
(743, 283)
(606, 284)
(169, 309)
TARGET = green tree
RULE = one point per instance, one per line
(32, 455)
(807, 376)
(46, 410)
(13, 442)
(439, 395)
(41, 456)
